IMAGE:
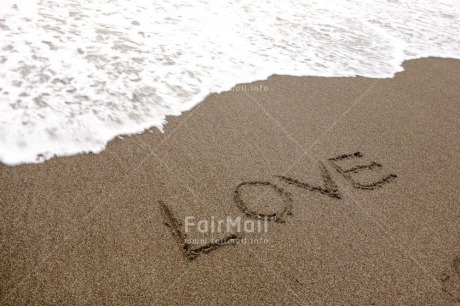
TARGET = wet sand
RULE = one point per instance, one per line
(358, 177)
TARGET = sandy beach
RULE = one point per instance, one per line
(359, 178)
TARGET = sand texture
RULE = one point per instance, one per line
(359, 179)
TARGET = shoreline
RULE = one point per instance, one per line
(88, 228)
(239, 87)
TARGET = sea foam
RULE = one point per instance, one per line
(74, 74)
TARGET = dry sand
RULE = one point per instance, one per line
(89, 229)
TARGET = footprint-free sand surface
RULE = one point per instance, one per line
(358, 179)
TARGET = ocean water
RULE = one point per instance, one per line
(74, 74)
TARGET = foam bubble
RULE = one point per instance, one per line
(75, 74)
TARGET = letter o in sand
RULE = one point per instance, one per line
(274, 217)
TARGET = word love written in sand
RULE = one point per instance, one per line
(329, 189)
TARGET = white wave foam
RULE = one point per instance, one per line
(74, 74)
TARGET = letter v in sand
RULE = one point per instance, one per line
(329, 188)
